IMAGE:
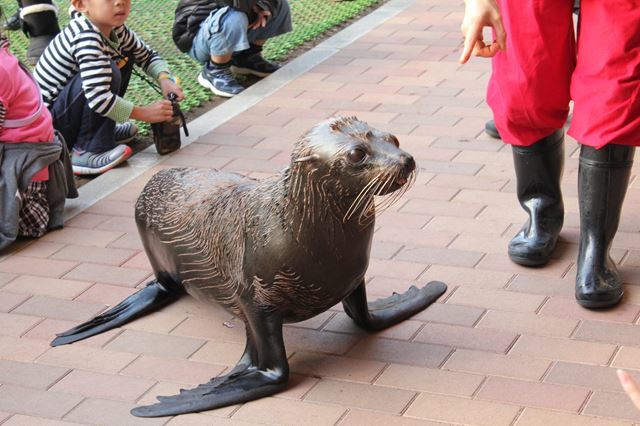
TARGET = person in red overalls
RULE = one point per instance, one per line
(537, 68)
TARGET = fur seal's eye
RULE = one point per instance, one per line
(356, 156)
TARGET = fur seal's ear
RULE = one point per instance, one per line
(312, 157)
(337, 123)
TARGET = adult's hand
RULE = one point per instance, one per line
(630, 387)
(477, 15)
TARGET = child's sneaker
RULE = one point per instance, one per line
(125, 132)
(94, 163)
(219, 80)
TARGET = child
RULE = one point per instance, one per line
(31, 193)
(83, 74)
(230, 38)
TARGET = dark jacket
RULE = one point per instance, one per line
(19, 162)
(191, 13)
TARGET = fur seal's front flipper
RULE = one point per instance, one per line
(384, 313)
(152, 297)
(263, 370)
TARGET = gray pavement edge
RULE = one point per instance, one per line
(102, 186)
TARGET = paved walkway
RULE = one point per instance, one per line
(506, 345)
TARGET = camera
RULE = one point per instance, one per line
(166, 135)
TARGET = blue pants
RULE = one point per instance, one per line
(226, 30)
(81, 127)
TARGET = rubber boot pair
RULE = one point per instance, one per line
(603, 178)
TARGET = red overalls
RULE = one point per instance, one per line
(541, 70)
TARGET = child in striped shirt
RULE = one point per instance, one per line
(83, 75)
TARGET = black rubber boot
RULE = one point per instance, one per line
(40, 25)
(491, 129)
(603, 177)
(538, 172)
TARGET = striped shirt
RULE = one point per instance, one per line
(81, 48)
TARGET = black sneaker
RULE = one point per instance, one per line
(94, 163)
(13, 23)
(219, 80)
(252, 62)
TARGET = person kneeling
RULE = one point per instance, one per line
(84, 74)
(227, 36)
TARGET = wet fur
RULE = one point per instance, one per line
(215, 227)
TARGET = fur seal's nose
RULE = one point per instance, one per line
(408, 163)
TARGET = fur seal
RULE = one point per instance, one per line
(273, 251)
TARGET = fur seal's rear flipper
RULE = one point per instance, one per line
(384, 313)
(152, 297)
(246, 386)
(263, 370)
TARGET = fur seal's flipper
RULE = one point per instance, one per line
(247, 360)
(263, 370)
(246, 386)
(384, 313)
(150, 298)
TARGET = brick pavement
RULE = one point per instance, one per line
(506, 345)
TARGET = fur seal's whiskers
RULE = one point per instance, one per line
(362, 195)
(368, 213)
(389, 200)
(383, 202)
